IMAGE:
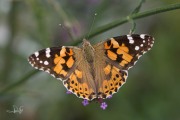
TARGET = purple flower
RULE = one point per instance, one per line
(85, 102)
(68, 92)
(103, 105)
(109, 97)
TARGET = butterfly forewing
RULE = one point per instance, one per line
(125, 50)
(58, 61)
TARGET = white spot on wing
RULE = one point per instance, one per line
(46, 62)
(59, 78)
(141, 45)
(137, 48)
(41, 69)
(53, 75)
(139, 56)
(47, 71)
(142, 36)
(135, 62)
(129, 37)
(40, 61)
(143, 41)
(131, 41)
(36, 54)
(151, 45)
(48, 55)
(48, 52)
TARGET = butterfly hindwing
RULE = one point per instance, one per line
(81, 81)
(112, 84)
(58, 61)
(77, 84)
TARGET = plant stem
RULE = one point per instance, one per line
(19, 82)
(121, 21)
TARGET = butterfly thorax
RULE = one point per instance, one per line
(88, 51)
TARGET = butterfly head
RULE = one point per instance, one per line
(86, 43)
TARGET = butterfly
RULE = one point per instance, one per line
(93, 71)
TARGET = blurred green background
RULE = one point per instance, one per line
(152, 88)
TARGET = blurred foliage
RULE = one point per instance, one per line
(152, 88)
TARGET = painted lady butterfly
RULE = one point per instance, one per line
(96, 71)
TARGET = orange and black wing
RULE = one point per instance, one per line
(68, 65)
(58, 61)
(124, 51)
(121, 53)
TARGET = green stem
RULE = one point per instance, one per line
(121, 21)
(19, 82)
(100, 30)
(134, 16)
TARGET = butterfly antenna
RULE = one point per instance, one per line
(67, 30)
(92, 24)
